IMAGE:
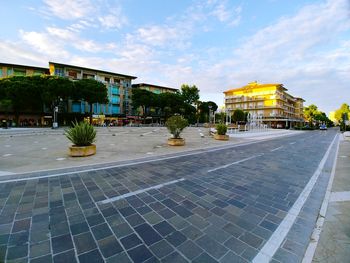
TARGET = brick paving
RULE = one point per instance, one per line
(221, 216)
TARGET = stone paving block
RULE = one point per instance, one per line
(130, 241)
(212, 247)
(19, 238)
(217, 233)
(92, 256)
(42, 259)
(140, 253)
(178, 222)
(40, 249)
(18, 251)
(148, 234)
(135, 220)
(192, 232)
(79, 228)
(109, 246)
(84, 242)
(21, 225)
(122, 230)
(166, 213)
(101, 231)
(285, 256)
(61, 243)
(119, 258)
(176, 238)
(190, 249)
(197, 221)
(268, 225)
(94, 220)
(204, 258)
(161, 249)
(231, 257)
(236, 245)
(174, 258)
(164, 228)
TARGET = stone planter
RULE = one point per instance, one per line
(176, 141)
(82, 151)
(220, 137)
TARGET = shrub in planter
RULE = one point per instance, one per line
(82, 135)
(175, 126)
(221, 130)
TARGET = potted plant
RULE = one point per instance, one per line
(175, 126)
(220, 134)
(82, 135)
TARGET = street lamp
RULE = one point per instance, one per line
(55, 114)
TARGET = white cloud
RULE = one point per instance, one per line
(113, 20)
(68, 9)
(224, 14)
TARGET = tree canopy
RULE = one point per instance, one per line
(189, 93)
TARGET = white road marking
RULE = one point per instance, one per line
(3, 173)
(60, 159)
(44, 148)
(315, 236)
(149, 152)
(276, 149)
(292, 143)
(113, 199)
(237, 162)
(340, 196)
(271, 246)
(7, 154)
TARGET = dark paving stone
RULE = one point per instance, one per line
(4, 239)
(21, 225)
(109, 211)
(115, 219)
(122, 230)
(135, 220)
(251, 239)
(202, 212)
(211, 246)
(220, 203)
(79, 228)
(234, 230)
(92, 256)
(61, 243)
(161, 249)
(169, 203)
(182, 211)
(19, 238)
(143, 209)
(198, 222)
(285, 256)
(166, 213)
(43, 259)
(217, 233)
(127, 211)
(109, 246)
(174, 258)
(18, 251)
(95, 220)
(148, 234)
(40, 249)
(139, 254)
(268, 225)
(130, 241)
(119, 258)
(59, 229)
(250, 253)
(176, 238)
(192, 232)
(84, 242)
(218, 211)
(164, 228)
(204, 258)
(236, 245)
(101, 231)
(231, 257)
(65, 257)
(190, 249)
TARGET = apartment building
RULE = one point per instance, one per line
(270, 103)
(9, 70)
(154, 88)
(118, 86)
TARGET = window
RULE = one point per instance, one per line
(19, 72)
(72, 74)
(9, 71)
(59, 72)
(107, 79)
(76, 107)
(115, 109)
(0, 72)
(115, 100)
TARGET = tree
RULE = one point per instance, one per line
(342, 114)
(91, 91)
(310, 112)
(238, 115)
(190, 94)
(144, 99)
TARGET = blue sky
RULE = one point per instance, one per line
(216, 45)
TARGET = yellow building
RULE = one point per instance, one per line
(269, 103)
(9, 70)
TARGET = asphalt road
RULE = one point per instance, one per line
(227, 204)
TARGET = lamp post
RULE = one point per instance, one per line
(209, 114)
(55, 114)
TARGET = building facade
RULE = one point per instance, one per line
(9, 70)
(118, 86)
(268, 103)
(154, 88)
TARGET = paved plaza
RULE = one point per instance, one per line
(255, 198)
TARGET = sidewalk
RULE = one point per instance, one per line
(29, 150)
(334, 243)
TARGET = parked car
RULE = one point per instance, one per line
(323, 127)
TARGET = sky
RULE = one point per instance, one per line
(214, 44)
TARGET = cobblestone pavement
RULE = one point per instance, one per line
(213, 205)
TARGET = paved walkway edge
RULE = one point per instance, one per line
(311, 249)
(271, 246)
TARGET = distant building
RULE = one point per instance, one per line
(268, 102)
(9, 70)
(153, 88)
(118, 85)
